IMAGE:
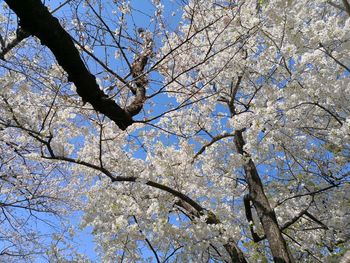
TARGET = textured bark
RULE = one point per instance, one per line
(347, 6)
(140, 79)
(234, 251)
(37, 21)
(263, 208)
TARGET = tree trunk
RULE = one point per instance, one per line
(262, 206)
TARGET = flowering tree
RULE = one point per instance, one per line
(223, 138)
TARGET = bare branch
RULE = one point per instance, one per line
(214, 140)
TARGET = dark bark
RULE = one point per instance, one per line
(140, 79)
(347, 6)
(37, 21)
(249, 216)
(262, 206)
(234, 251)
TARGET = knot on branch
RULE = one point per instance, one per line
(140, 78)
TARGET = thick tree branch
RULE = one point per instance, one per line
(20, 35)
(267, 215)
(286, 224)
(257, 196)
(140, 78)
(346, 6)
(36, 19)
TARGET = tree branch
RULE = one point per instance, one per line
(346, 6)
(215, 139)
(231, 247)
(20, 35)
(36, 19)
